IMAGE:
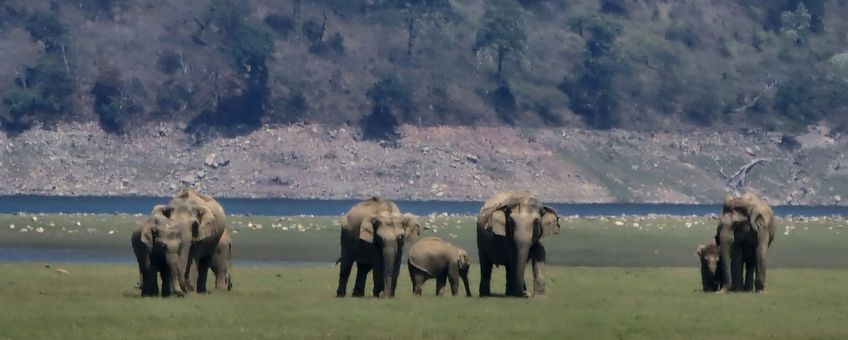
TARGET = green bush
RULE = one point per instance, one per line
(685, 35)
(389, 96)
(47, 28)
(113, 104)
(169, 62)
(281, 24)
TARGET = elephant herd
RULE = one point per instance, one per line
(181, 241)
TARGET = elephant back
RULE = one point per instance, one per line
(367, 209)
(502, 199)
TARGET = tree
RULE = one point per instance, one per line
(419, 12)
(389, 96)
(796, 25)
(593, 94)
(502, 31)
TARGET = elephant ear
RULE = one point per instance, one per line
(758, 217)
(462, 258)
(699, 252)
(205, 218)
(550, 222)
(162, 210)
(497, 222)
(411, 226)
(368, 228)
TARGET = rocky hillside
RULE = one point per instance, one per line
(447, 163)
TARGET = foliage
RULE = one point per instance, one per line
(47, 28)
(618, 7)
(685, 35)
(114, 104)
(169, 62)
(390, 97)
(796, 25)
(280, 23)
(502, 30)
(593, 95)
(41, 94)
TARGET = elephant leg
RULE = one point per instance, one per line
(441, 279)
(454, 283)
(736, 280)
(220, 266)
(760, 281)
(149, 285)
(417, 277)
(750, 267)
(361, 275)
(537, 254)
(485, 276)
(344, 274)
(191, 274)
(396, 273)
(202, 272)
(167, 287)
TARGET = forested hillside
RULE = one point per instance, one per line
(230, 66)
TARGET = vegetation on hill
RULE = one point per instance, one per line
(233, 65)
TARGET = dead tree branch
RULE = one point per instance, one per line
(738, 179)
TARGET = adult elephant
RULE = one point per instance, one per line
(373, 234)
(510, 227)
(201, 217)
(747, 226)
(161, 250)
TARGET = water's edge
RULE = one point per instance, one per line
(294, 207)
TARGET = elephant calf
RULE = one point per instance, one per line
(710, 257)
(433, 257)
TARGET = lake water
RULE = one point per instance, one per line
(290, 207)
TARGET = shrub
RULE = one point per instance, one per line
(169, 62)
(280, 24)
(684, 35)
(388, 96)
(114, 107)
(47, 28)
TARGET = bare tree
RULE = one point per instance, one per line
(738, 179)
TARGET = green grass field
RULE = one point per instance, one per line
(609, 279)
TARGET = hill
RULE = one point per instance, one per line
(230, 66)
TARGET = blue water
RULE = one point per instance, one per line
(289, 207)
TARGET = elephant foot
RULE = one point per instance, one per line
(357, 294)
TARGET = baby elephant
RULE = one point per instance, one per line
(433, 257)
(710, 257)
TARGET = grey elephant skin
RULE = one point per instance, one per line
(746, 230)
(161, 251)
(510, 227)
(433, 257)
(373, 234)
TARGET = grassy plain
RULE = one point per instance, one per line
(620, 277)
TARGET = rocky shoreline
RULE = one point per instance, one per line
(430, 163)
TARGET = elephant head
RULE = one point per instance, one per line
(169, 245)
(388, 231)
(463, 264)
(523, 224)
(709, 255)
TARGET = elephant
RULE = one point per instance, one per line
(373, 233)
(746, 230)
(510, 227)
(161, 249)
(203, 219)
(709, 256)
(434, 257)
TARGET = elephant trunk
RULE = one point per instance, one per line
(465, 283)
(523, 253)
(176, 280)
(389, 254)
(725, 262)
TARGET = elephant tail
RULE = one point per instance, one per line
(338, 260)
